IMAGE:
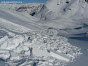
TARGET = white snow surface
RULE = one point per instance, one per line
(30, 40)
(44, 45)
(27, 8)
(62, 15)
(60, 8)
(20, 21)
(55, 13)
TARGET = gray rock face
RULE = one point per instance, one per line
(86, 1)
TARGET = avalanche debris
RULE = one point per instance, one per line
(40, 48)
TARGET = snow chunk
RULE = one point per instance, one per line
(12, 43)
(4, 54)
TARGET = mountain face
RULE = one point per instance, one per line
(65, 14)
(65, 8)
(29, 8)
(52, 9)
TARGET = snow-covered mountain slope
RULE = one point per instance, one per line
(30, 8)
(22, 19)
(58, 14)
(65, 14)
(66, 8)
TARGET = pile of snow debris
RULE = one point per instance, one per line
(42, 48)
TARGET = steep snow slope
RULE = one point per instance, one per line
(65, 14)
(22, 19)
(67, 8)
(12, 26)
(58, 14)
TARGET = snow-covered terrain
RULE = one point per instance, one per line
(30, 8)
(37, 47)
(42, 34)
(65, 14)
